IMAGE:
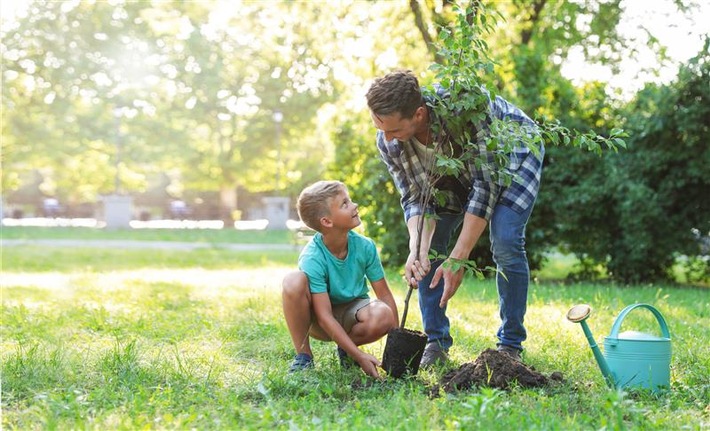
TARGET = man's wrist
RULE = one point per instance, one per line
(459, 254)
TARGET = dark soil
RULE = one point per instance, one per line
(403, 352)
(497, 370)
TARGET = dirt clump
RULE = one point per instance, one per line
(496, 370)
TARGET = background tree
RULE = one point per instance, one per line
(186, 92)
(576, 209)
(160, 87)
(59, 86)
(660, 186)
(576, 198)
(545, 91)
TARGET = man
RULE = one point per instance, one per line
(476, 197)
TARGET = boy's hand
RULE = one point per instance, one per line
(369, 364)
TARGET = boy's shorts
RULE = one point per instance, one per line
(346, 314)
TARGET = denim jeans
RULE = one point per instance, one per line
(507, 235)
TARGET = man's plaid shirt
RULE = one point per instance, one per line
(409, 174)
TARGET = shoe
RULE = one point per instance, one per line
(510, 351)
(301, 362)
(433, 355)
(346, 362)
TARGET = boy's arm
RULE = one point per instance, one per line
(324, 313)
(384, 294)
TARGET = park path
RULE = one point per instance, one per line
(161, 245)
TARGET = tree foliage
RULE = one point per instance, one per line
(182, 95)
(579, 198)
(153, 87)
(661, 187)
(463, 68)
(634, 212)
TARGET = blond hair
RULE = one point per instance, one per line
(314, 202)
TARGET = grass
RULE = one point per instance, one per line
(187, 235)
(50, 259)
(145, 339)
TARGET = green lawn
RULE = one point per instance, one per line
(186, 235)
(145, 339)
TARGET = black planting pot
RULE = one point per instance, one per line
(403, 352)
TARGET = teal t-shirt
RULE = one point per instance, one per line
(343, 279)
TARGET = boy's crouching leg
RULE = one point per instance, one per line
(374, 322)
(295, 287)
(296, 297)
(297, 309)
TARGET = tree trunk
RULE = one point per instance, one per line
(228, 199)
(526, 34)
(419, 22)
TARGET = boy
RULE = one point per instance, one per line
(327, 298)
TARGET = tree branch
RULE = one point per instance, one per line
(526, 34)
(419, 22)
(471, 14)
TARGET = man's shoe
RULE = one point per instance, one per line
(301, 362)
(346, 362)
(510, 351)
(433, 355)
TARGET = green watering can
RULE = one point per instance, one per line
(631, 359)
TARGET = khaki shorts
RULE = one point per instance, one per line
(346, 314)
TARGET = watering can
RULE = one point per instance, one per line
(631, 359)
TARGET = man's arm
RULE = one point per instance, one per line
(417, 265)
(473, 227)
(391, 155)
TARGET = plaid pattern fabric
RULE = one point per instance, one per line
(410, 175)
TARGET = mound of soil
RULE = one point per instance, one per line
(494, 369)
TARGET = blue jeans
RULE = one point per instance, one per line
(507, 235)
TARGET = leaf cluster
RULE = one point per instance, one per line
(460, 111)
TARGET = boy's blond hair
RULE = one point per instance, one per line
(314, 202)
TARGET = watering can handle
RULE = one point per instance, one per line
(617, 324)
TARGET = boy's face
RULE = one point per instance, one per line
(343, 211)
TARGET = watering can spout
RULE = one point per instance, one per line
(631, 359)
(578, 314)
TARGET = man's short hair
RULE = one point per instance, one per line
(314, 202)
(395, 92)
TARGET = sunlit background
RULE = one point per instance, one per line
(216, 114)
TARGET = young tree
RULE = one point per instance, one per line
(464, 67)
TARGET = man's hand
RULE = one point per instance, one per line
(416, 268)
(369, 364)
(452, 281)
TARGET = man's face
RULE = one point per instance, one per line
(396, 127)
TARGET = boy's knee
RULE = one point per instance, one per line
(380, 317)
(294, 283)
